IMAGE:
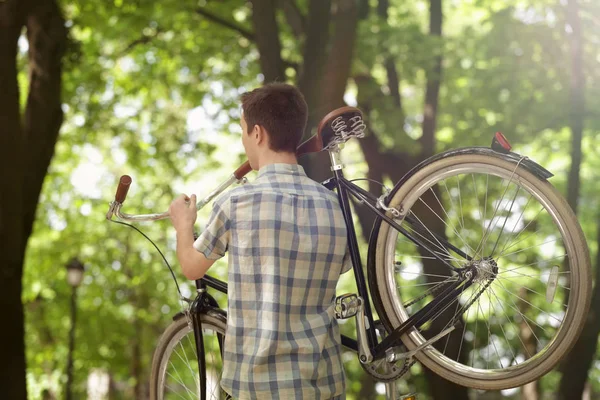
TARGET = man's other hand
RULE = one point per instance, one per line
(183, 212)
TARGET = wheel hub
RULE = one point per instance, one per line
(485, 269)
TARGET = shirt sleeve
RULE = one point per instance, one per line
(214, 240)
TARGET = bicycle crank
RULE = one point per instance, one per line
(387, 370)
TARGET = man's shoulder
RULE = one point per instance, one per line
(305, 186)
(318, 189)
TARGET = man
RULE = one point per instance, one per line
(286, 239)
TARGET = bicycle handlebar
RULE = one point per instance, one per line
(123, 188)
(313, 144)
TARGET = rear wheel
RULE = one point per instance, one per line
(532, 284)
(175, 363)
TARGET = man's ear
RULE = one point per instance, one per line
(260, 133)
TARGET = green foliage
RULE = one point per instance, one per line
(135, 71)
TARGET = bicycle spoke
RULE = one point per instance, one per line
(525, 317)
(488, 231)
(535, 263)
(424, 274)
(517, 223)
(187, 363)
(440, 247)
(530, 247)
(444, 222)
(505, 221)
(180, 381)
(174, 391)
(475, 336)
(193, 346)
(522, 230)
(500, 325)
(460, 203)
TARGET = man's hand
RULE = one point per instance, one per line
(183, 213)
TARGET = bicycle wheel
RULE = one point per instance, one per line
(175, 363)
(531, 291)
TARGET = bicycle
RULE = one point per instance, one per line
(488, 289)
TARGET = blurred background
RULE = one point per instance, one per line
(91, 90)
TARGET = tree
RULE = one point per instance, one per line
(578, 362)
(140, 67)
(27, 147)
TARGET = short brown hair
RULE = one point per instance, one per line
(280, 109)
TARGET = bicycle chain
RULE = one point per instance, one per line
(393, 372)
(433, 291)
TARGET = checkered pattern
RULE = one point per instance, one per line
(286, 240)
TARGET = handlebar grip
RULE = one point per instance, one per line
(123, 188)
(243, 170)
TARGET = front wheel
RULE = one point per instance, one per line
(175, 372)
(522, 243)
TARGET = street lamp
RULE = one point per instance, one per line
(74, 277)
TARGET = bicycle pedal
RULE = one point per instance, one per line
(346, 306)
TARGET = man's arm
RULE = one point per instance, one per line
(193, 263)
(183, 216)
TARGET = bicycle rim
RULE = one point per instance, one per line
(530, 296)
(175, 368)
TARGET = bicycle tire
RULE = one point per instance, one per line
(176, 348)
(387, 278)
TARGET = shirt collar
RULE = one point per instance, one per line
(281, 169)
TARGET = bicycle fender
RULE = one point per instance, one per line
(527, 163)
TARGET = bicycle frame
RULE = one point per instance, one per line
(345, 188)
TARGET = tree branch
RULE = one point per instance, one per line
(226, 23)
(143, 39)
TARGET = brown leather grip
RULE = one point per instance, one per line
(123, 188)
(243, 170)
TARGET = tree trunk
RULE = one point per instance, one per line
(311, 79)
(578, 362)
(267, 39)
(433, 84)
(12, 369)
(577, 102)
(337, 72)
(37, 133)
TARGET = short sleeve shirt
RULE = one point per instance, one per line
(286, 241)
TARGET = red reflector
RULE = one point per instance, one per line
(502, 141)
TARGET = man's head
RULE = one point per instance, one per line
(273, 120)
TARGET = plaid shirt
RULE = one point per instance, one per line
(286, 239)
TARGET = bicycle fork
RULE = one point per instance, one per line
(198, 336)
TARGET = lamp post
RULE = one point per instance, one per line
(74, 277)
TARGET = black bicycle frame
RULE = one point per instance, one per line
(448, 294)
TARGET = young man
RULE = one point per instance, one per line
(286, 239)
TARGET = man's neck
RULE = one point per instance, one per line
(277, 158)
